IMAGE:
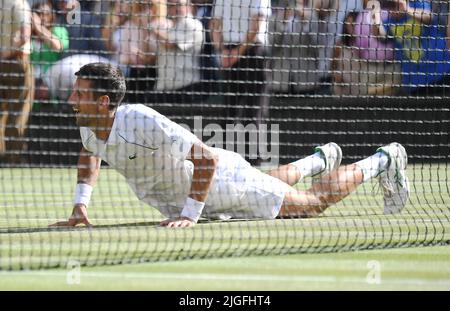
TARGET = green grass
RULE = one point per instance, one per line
(126, 232)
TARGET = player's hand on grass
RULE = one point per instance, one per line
(181, 222)
(79, 216)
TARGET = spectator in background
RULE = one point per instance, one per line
(16, 78)
(441, 9)
(116, 17)
(303, 34)
(49, 41)
(136, 47)
(420, 46)
(85, 27)
(209, 64)
(178, 56)
(295, 50)
(363, 64)
(239, 32)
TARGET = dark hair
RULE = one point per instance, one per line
(106, 79)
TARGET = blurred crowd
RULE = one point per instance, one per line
(187, 51)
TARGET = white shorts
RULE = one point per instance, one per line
(243, 192)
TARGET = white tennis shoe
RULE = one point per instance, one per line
(332, 154)
(393, 181)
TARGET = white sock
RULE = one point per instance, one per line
(373, 165)
(311, 165)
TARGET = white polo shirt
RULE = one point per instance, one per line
(150, 151)
(180, 67)
(236, 15)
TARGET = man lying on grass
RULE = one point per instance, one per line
(170, 169)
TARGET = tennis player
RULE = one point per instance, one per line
(170, 169)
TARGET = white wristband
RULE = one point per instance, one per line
(82, 194)
(192, 209)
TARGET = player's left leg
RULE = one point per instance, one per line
(330, 189)
(325, 159)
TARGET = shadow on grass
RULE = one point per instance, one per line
(101, 227)
(78, 228)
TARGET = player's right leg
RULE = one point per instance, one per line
(326, 159)
(388, 164)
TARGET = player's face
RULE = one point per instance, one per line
(84, 105)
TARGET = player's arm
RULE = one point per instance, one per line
(205, 163)
(88, 171)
